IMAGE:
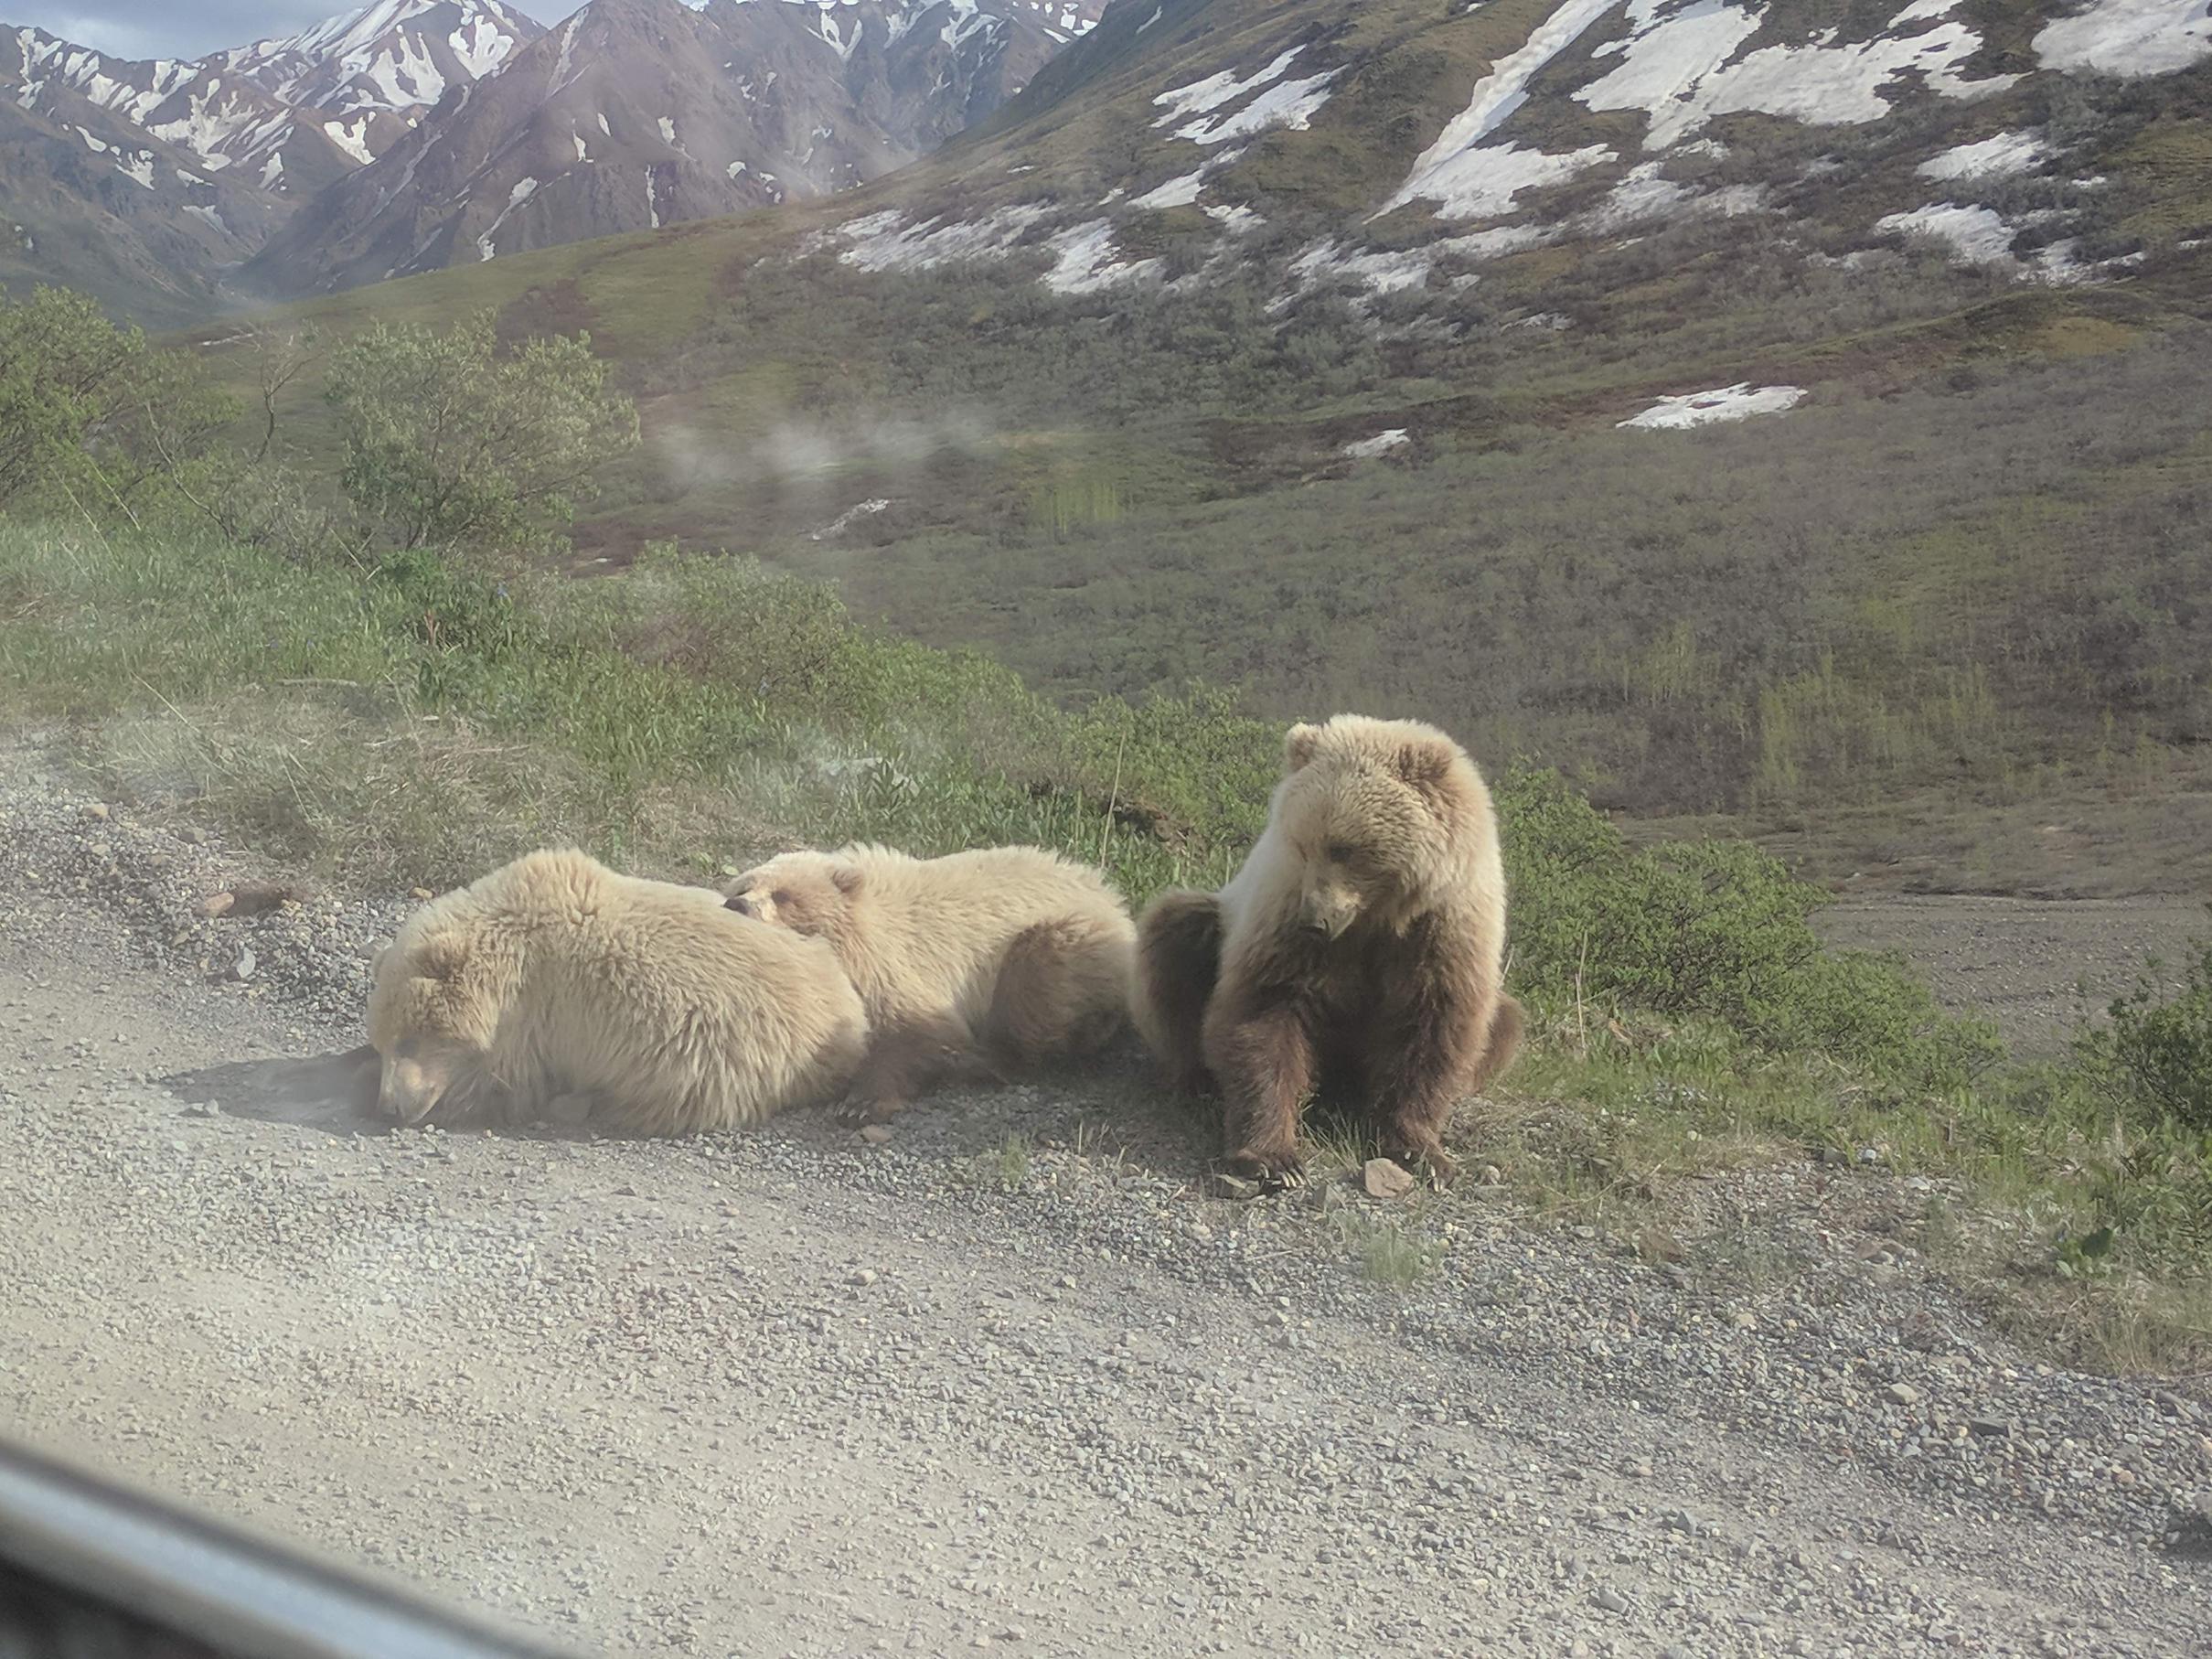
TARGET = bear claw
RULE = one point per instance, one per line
(1277, 1171)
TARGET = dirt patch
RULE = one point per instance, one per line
(2035, 965)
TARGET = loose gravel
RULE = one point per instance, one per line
(1009, 1379)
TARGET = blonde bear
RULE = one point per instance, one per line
(989, 963)
(554, 974)
(1358, 954)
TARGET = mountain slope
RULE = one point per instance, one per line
(638, 113)
(141, 224)
(1776, 410)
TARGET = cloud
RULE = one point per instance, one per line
(163, 28)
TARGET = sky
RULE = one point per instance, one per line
(190, 28)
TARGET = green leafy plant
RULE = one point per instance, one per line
(449, 439)
(2159, 1047)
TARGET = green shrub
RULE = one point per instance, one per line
(449, 440)
(1715, 930)
(90, 411)
(2159, 1048)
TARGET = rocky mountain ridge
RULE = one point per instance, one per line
(413, 133)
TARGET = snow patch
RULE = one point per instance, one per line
(2006, 154)
(1280, 103)
(885, 241)
(208, 216)
(1382, 444)
(2129, 36)
(351, 136)
(524, 189)
(1176, 193)
(1084, 260)
(1288, 103)
(1483, 183)
(1979, 236)
(1468, 182)
(1737, 402)
(1982, 236)
(843, 521)
(667, 132)
(1680, 67)
(1394, 271)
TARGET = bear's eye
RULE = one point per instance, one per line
(780, 897)
(1339, 852)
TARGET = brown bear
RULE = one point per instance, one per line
(1358, 953)
(983, 964)
(555, 976)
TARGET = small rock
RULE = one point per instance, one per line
(1611, 1601)
(97, 809)
(876, 1134)
(419, 894)
(1384, 1178)
(1988, 1427)
(1490, 1175)
(570, 1111)
(204, 1108)
(216, 904)
(1744, 1319)
(864, 1277)
(242, 969)
(1902, 1394)
(375, 948)
(1226, 1186)
(192, 836)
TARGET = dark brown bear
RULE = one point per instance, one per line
(1358, 954)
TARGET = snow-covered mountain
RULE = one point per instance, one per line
(293, 114)
(638, 113)
(380, 70)
(411, 134)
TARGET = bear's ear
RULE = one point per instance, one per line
(442, 956)
(1299, 746)
(1423, 766)
(846, 878)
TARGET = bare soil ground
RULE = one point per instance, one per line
(1011, 1380)
(2035, 965)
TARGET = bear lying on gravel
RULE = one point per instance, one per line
(553, 975)
(1359, 951)
(995, 961)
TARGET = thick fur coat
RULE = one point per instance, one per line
(554, 974)
(1358, 953)
(993, 962)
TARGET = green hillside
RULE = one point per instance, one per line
(1941, 625)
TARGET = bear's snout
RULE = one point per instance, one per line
(743, 903)
(408, 1091)
(1328, 911)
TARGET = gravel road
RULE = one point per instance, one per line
(792, 1393)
